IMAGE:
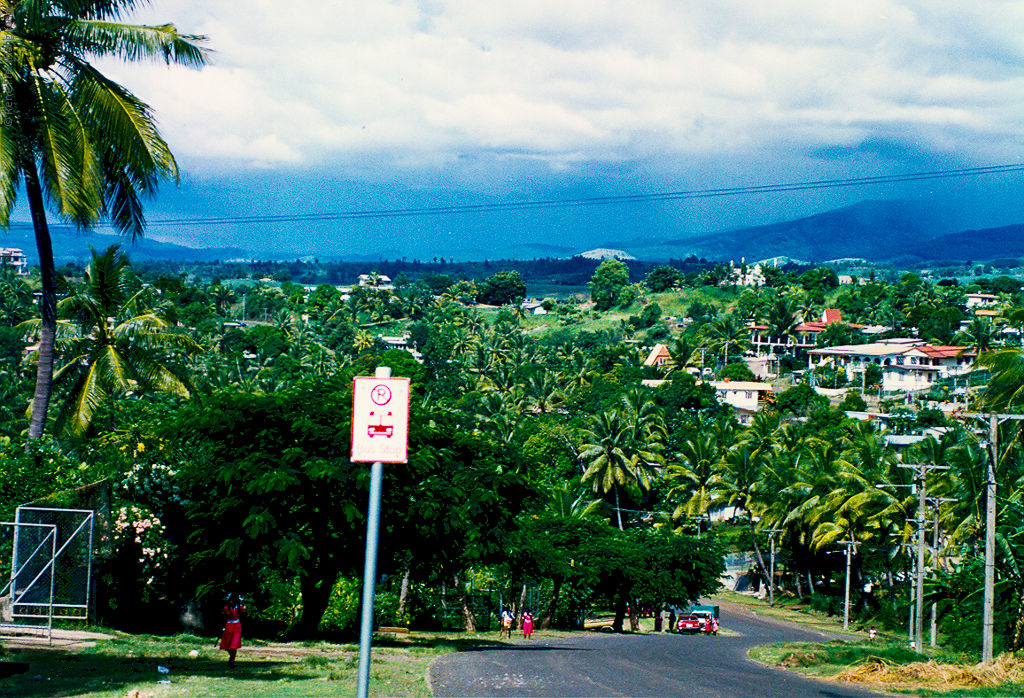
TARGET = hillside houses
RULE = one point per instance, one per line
(15, 258)
(745, 397)
(805, 335)
(907, 364)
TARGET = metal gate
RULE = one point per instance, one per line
(49, 553)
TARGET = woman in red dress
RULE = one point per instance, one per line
(231, 640)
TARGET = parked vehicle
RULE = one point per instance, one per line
(690, 624)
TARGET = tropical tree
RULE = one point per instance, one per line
(980, 336)
(782, 321)
(15, 297)
(75, 137)
(608, 282)
(1005, 389)
(724, 335)
(112, 340)
(614, 457)
(741, 472)
(694, 478)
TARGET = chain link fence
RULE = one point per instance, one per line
(46, 556)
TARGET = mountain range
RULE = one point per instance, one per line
(901, 232)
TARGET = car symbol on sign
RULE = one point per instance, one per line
(380, 428)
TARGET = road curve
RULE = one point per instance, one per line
(600, 664)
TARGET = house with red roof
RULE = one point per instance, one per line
(806, 335)
(658, 356)
(906, 364)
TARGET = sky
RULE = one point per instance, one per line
(315, 106)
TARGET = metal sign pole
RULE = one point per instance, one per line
(369, 578)
(380, 433)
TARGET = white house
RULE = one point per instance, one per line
(379, 281)
(981, 300)
(754, 275)
(907, 364)
(745, 397)
(805, 335)
(16, 258)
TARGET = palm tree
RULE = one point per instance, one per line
(741, 472)
(980, 335)
(1005, 389)
(222, 296)
(681, 355)
(541, 391)
(75, 137)
(578, 373)
(782, 322)
(613, 457)
(694, 479)
(15, 297)
(112, 342)
(724, 334)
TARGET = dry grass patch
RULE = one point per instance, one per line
(1004, 669)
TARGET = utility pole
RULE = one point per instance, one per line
(988, 607)
(922, 493)
(771, 583)
(937, 502)
(846, 604)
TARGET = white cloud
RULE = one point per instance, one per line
(310, 82)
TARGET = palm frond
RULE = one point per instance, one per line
(134, 43)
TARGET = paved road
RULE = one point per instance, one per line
(596, 664)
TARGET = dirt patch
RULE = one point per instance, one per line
(16, 640)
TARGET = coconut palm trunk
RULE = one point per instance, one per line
(47, 303)
(78, 140)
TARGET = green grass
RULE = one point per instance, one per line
(117, 667)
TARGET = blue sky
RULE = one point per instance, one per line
(319, 106)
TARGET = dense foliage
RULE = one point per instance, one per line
(545, 470)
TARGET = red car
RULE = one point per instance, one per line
(690, 624)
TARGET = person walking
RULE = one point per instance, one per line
(231, 640)
(506, 623)
(527, 625)
(714, 626)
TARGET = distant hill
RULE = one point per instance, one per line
(904, 232)
(71, 246)
(973, 245)
(874, 230)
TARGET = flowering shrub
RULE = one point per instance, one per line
(342, 615)
(139, 539)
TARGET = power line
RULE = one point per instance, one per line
(589, 201)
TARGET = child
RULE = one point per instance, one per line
(231, 640)
(506, 623)
(527, 624)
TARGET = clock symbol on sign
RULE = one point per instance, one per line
(381, 395)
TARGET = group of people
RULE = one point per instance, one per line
(508, 621)
(710, 626)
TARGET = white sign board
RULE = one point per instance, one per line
(380, 420)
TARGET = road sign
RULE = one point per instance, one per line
(380, 420)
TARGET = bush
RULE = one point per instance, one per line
(341, 619)
(830, 605)
(853, 402)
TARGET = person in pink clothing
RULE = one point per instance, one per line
(231, 640)
(527, 624)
